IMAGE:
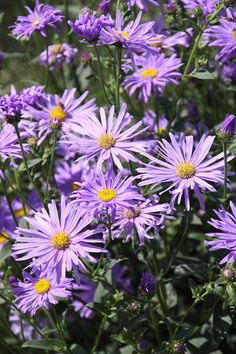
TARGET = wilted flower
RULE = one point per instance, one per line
(40, 291)
(58, 54)
(148, 283)
(225, 236)
(40, 19)
(228, 272)
(184, 168)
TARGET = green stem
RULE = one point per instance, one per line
(47, 69)
(100, 74)
(9, 202)
(154, 322)
(59, 330)
(99, 334)
(224, 145)
(26, 165)
(118, 72)
(19, 188)
(50, 170)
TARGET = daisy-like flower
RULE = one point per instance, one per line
(9, 145)
(207, 6)
(141, 219)
(69, 176)
(58, 54)
(223, 36)
(11, 108)
(132, 36)
(185, 168)
(88, 25)
(107, 192)
(107, 139)
(58, 241)
(65, 111)
(225, 236)
(40, 19)
(142, 4)
(40, 291)
(152, 73)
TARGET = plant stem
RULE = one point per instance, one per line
(99, 334)
(47, 69)
(50, 170)
(100, 74)
(118, 71)
(154, 322)
(225, 172)
(26, 165)
(19, 188)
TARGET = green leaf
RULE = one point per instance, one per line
(52, 344)
(77, 349)
(34, 162)
(203, 75)
(5, 251)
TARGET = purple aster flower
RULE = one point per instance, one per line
(11, 108)
(207, 6)
(148, 283)
(223, 36)
(33, 201)
(88, 25)
(69, 177)
(104, 6)
(132, 36)
(9, 145)
(58, 54)
(153, 72)
(156, 126)
(40, 291)
(170, 6)
(228, 126)
(31, 96)
(40, 19)
(228, 73)
(140, 219)
(142, 4)
(83, 294)
(185, 168)
(106, 192)
(107, 139)
(58, 241)
(144, 345)
(65, 111)
(225, 236)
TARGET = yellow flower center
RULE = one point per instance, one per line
(61, 240)
(130, 214)
(58, 112)
(36, 22)
(149, 73)
(57, 49)
(156, 42)
(106, 195)
(20, 212)
(185, 170)
(42, 286)
(160, 130)
(124, 34)
(3, 237)
(234, 35)
(75, 186)
(106, 141)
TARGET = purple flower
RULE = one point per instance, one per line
(88, 26)
(225, 236)
(31, 96)
(58, 242)
(142, 4)
(185, 168)
(69, 177)
(40, 19)
(207, 6)
(7, 225)
(178, 347)
(11, 108)
(106, 192)
(40, 291)
(228, 73)
(58, 54)
(9, 145)
(83, 294)
(223, 36)
(148, 283)
(156, 126)
(228, 126)
(152, 73)
(65, 111)
(85, 57)
(140, 219)
(104, 6)
(132, 36)
(144, 345)
(107, 139)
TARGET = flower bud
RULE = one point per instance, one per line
(85, 57)
(228, 127)
(178, 347)
(147, 283)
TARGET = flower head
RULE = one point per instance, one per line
(58, 241)
(104, 6)
(88, 25)
(207, 6)
(228, 126)
(152, 73)
(148, 283)
(107, 139)
(185, 168)
(11, 108)
(132, 36)
(58, 54)
(225, 236)
(69, 177)
(106, 192)
(40, 19)
(40, 291)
